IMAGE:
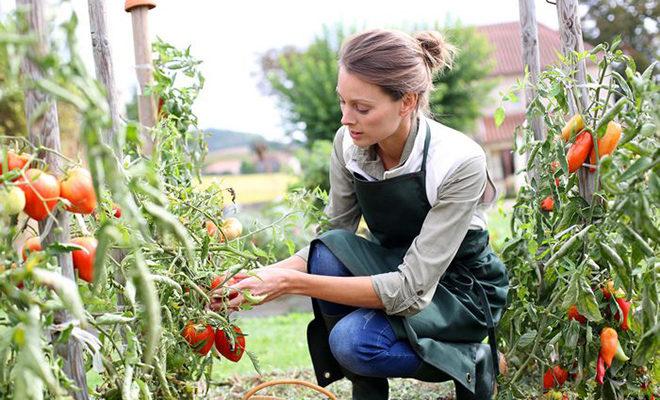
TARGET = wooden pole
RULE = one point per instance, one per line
(104, 69)
(139, 10)
(571, 40)
(531, 59)
(43, 130)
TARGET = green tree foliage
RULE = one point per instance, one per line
(304, 83)
(636, 21)
(461, 93)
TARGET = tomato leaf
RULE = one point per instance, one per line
(587, 304)
(499, 116)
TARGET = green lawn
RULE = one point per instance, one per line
(279, 342)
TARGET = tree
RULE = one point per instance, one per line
(304, 83)
(461, 93)
(636, 21)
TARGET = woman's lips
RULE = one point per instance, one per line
(355, 134)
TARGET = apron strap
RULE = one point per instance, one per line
(427, 140)
(485, 305)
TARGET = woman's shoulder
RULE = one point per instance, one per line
(450, 144)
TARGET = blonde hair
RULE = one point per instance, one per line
(398, 62)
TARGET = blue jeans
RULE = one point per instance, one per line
(363, 341)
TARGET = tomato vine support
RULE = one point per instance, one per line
(43, 130)
(139, 10)
(104, 68)
(531, 59)
(570, 31)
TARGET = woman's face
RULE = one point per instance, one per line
(368, 112)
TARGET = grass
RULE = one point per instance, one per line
(279, 342)
(254, 188)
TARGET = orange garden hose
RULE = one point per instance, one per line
(251, 392)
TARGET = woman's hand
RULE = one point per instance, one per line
(271, 282)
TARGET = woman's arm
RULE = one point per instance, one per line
(356, 291)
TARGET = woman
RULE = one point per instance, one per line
(419, 299)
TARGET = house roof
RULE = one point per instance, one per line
(503, 133)
(506, 40)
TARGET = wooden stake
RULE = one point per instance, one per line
(104, 69)
(571, 40)
(139, 10)
(530, 52)
(44, 130)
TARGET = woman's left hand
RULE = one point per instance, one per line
(271, 282)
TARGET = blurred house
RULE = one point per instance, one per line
(498, 141)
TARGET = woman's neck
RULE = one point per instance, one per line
(391, 148)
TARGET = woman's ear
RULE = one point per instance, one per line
(408, 104)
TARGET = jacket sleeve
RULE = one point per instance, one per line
(342, 208)
(407, 291)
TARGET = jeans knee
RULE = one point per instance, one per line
(364, 343)
(323, 262)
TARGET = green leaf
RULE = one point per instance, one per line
(149, 298)
(526, 339)
(112, 319)
(587, 304)
(106, 235)
(168, 281)
(65, 288)
(639, 167)
(172, 224)
(648, 346)
(499, 116)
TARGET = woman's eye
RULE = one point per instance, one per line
(362, 110)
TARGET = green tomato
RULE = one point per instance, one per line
(12, 200)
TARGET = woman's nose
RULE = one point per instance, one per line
(347, 118)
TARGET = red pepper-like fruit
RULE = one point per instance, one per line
(554, 377)
(610, 346)
(574, 314)
(572, 126)
(624, 305)
(607, 143)
(579, 151)
(224, 346)
(608, 290)
(548, 204)
(600, 370)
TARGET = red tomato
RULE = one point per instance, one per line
(224, 345)
(199, 337)
(116, 211)
(78, 188)
(32, 244)
(548, 204)
(14, 161)
(42, 191)
(83, 260)
(233, 280)
(574, 314)
(554, 377)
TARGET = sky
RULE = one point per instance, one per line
(229, 37)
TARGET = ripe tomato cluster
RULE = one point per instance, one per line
(37, 192)
(202, 337)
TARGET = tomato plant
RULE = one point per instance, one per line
(140, 245)
(591, 265)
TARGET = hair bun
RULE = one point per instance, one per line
(438, 54)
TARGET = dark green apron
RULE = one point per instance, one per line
(468, 301)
